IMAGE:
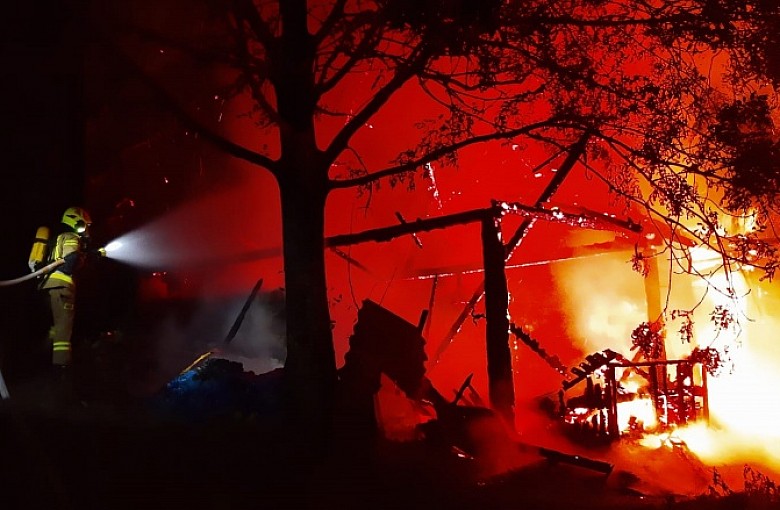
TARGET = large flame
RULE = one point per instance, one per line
(743, 399)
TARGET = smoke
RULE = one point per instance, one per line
(203, 325)
(605, 300)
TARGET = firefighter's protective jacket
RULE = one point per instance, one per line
(68, 247)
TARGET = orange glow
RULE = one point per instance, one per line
(743, 398)
(746, 401)
(701, 440)
(718, 446)
(743, 401)
(669, 439)
(744, 404)
(640, 408)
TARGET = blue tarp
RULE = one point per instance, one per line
(219, 389)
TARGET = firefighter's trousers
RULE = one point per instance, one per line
(63, 308)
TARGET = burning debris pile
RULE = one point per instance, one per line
(385, 398)
(630, 398)
(385, 389)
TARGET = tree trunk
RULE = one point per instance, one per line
(310, 367)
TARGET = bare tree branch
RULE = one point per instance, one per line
(434, 155)
(247, 11)
(402, 75)
(330, 21)
(172, 103)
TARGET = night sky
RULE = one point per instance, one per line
(42, 113)
(42, 143)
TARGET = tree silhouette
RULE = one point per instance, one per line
(672, 92)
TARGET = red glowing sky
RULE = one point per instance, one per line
(245, 218)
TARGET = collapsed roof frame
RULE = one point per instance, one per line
(495, 256)
(690, 401)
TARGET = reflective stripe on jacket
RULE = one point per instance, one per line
(62, 277)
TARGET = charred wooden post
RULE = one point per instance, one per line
(431, 301)
(592, 363)
(613, 431)
(517, 238)
(655, 390)
(499, 357)
(423, 320)
(685, 404)
(551, 359)
(576, 460)
(240, 319)
(705, 406)
(655, 319)
(384, 234)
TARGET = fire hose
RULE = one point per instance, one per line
(35, 274)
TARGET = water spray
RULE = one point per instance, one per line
(162, 244)
(113, 247)
(133, 248)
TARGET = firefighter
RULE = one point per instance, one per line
(71, 245)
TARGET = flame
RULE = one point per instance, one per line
(744, 403)
(669, 439)
(746, 400)
(718, 446)
(743, 400)
(640, 408)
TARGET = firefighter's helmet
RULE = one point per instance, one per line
(77, 218)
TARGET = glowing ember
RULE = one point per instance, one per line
(699, 439)
(638, 413)
(433, 187)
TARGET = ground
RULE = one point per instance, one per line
(122, 453)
